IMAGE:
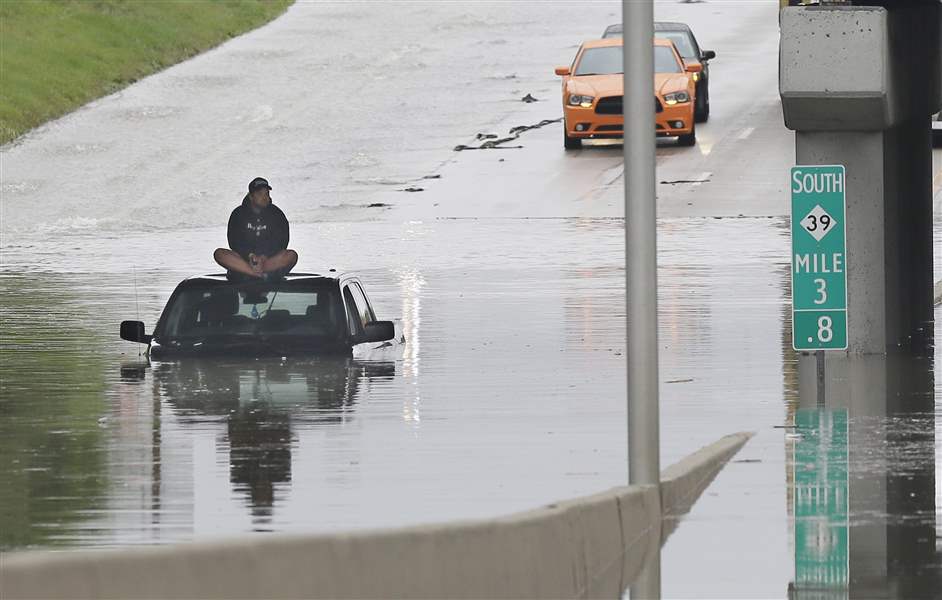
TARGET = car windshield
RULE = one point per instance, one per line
(665, 61)
(283, 309)
(681, 39)
(608, 61)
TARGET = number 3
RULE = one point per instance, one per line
(822, 291)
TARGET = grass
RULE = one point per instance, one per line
(56, 55)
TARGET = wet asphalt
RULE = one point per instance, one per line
(506, 271)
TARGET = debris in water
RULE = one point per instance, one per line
(676, 181)
(514, 133)
(378, 205)
(412, 189)
(679, 381)
(528, 99)
(432, 177)
(748, 460)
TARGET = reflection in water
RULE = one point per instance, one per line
(411, 283)
(261, 401)
(259, 456)
(863, 479)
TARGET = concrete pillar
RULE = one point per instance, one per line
(858, 86)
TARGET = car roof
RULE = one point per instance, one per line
(603, 43)
(330, 275)
(658, 26)
(607, 42)
(670, 26)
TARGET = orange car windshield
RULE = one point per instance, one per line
(600, 61)
(665, 61)
(607, 60)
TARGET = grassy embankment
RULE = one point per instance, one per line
(56, 55)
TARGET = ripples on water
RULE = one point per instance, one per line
(509, 391)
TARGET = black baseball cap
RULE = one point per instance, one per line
(258, 183)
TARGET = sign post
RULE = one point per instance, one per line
(819, 258)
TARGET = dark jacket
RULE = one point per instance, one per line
(264, 232)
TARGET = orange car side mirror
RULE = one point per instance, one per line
(562, 70)
(693, 67)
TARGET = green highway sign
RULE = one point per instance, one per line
(819, 258)
(821, 503)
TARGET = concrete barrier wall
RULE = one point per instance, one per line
(683, 482)
(588, 547)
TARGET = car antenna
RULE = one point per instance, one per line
(137, 305)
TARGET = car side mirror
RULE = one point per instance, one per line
(708, 55)
(562, 71)
(378, 331)
(693, 67)
(133, 331)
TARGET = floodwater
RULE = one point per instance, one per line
(508, 392)
(505, 271)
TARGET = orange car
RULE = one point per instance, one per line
(592, 93)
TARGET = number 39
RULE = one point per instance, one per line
(825, 221)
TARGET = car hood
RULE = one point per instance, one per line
(611, 85)
(596, 85)
(245, 346)
(665, 83)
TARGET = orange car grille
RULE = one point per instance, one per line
(611, 105)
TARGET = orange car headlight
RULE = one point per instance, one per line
(579, 100)
(676, 98)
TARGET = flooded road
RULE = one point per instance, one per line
(510, 382)
(505, 271)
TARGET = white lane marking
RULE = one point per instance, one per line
(702, 178)
(745, 133)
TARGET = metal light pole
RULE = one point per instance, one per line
(641, 265)
(640, 242)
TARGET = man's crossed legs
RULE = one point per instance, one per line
(257, 266)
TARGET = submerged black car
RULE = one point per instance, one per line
(303, 313)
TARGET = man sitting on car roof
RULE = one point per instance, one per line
(258, 237)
